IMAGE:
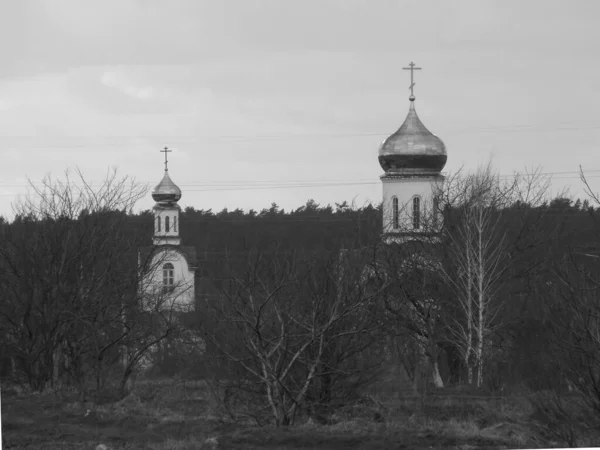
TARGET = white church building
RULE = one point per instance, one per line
(168, 267)
(412, 159)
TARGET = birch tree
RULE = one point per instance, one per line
(479, 253)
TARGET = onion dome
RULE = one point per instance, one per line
(413, 148)
(166, 191)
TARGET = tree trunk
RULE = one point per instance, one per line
(469, 349)
(127, 383)
(56, 360)
(433, 356)
(417, 376)
(479, 352)
(437, 378)
(481, 273)
(282, 417)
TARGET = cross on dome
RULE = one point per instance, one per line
(412, 83)
(166, 192)
(165, 151)
(412, 148)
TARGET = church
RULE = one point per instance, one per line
(169, 268)
(412, 159)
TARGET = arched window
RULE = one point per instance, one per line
(167, 224)
(175, 224)
(395, 219)
(436, 206)
(416, 213)
(168, 277)
(158, 223)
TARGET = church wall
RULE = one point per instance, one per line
(405, 189)
(162, 214)
(183, 292)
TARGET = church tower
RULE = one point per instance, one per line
(166, 194)
(169, 268)
(412, 159)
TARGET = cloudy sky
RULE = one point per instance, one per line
(282, 101)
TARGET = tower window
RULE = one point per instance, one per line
(395, 219)
(175, 224)
(158, 223)
(168, 277)
(436, 206)
(167, 224)
(416, 213)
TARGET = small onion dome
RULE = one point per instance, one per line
(166, 191)
(413, 148)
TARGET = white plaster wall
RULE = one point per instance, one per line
(173, 214)
(183, 295)
(405, 189)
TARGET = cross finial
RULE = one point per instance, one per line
(412, 83)
(165, 151)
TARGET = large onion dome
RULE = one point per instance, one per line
(413, 148)
(166, 191)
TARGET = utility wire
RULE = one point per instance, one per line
(565, 126)
(282, 184)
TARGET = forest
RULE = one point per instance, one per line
(302, 314)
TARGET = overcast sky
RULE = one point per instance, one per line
(263, 94)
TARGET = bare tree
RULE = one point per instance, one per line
(276, 318)
(479, 252)
(587, 188)
(576, 324)
(70, 276)
(410, 260)
(413, 300)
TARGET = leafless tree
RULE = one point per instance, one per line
(277, 316)
(479, 251)
(576, 323)
(69, 279)
(413, 300)
(588, 190)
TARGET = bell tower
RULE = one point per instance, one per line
(412, 159)
(166, 210)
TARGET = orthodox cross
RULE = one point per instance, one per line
(165, 151)
(412, 83)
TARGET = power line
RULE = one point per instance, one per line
(558, 126)
(567, 126)
(238, 185)
(254, 188)
(267, 184)
(280, 187)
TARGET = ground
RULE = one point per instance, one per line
(177, 416)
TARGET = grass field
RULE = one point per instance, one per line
(177, 416)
